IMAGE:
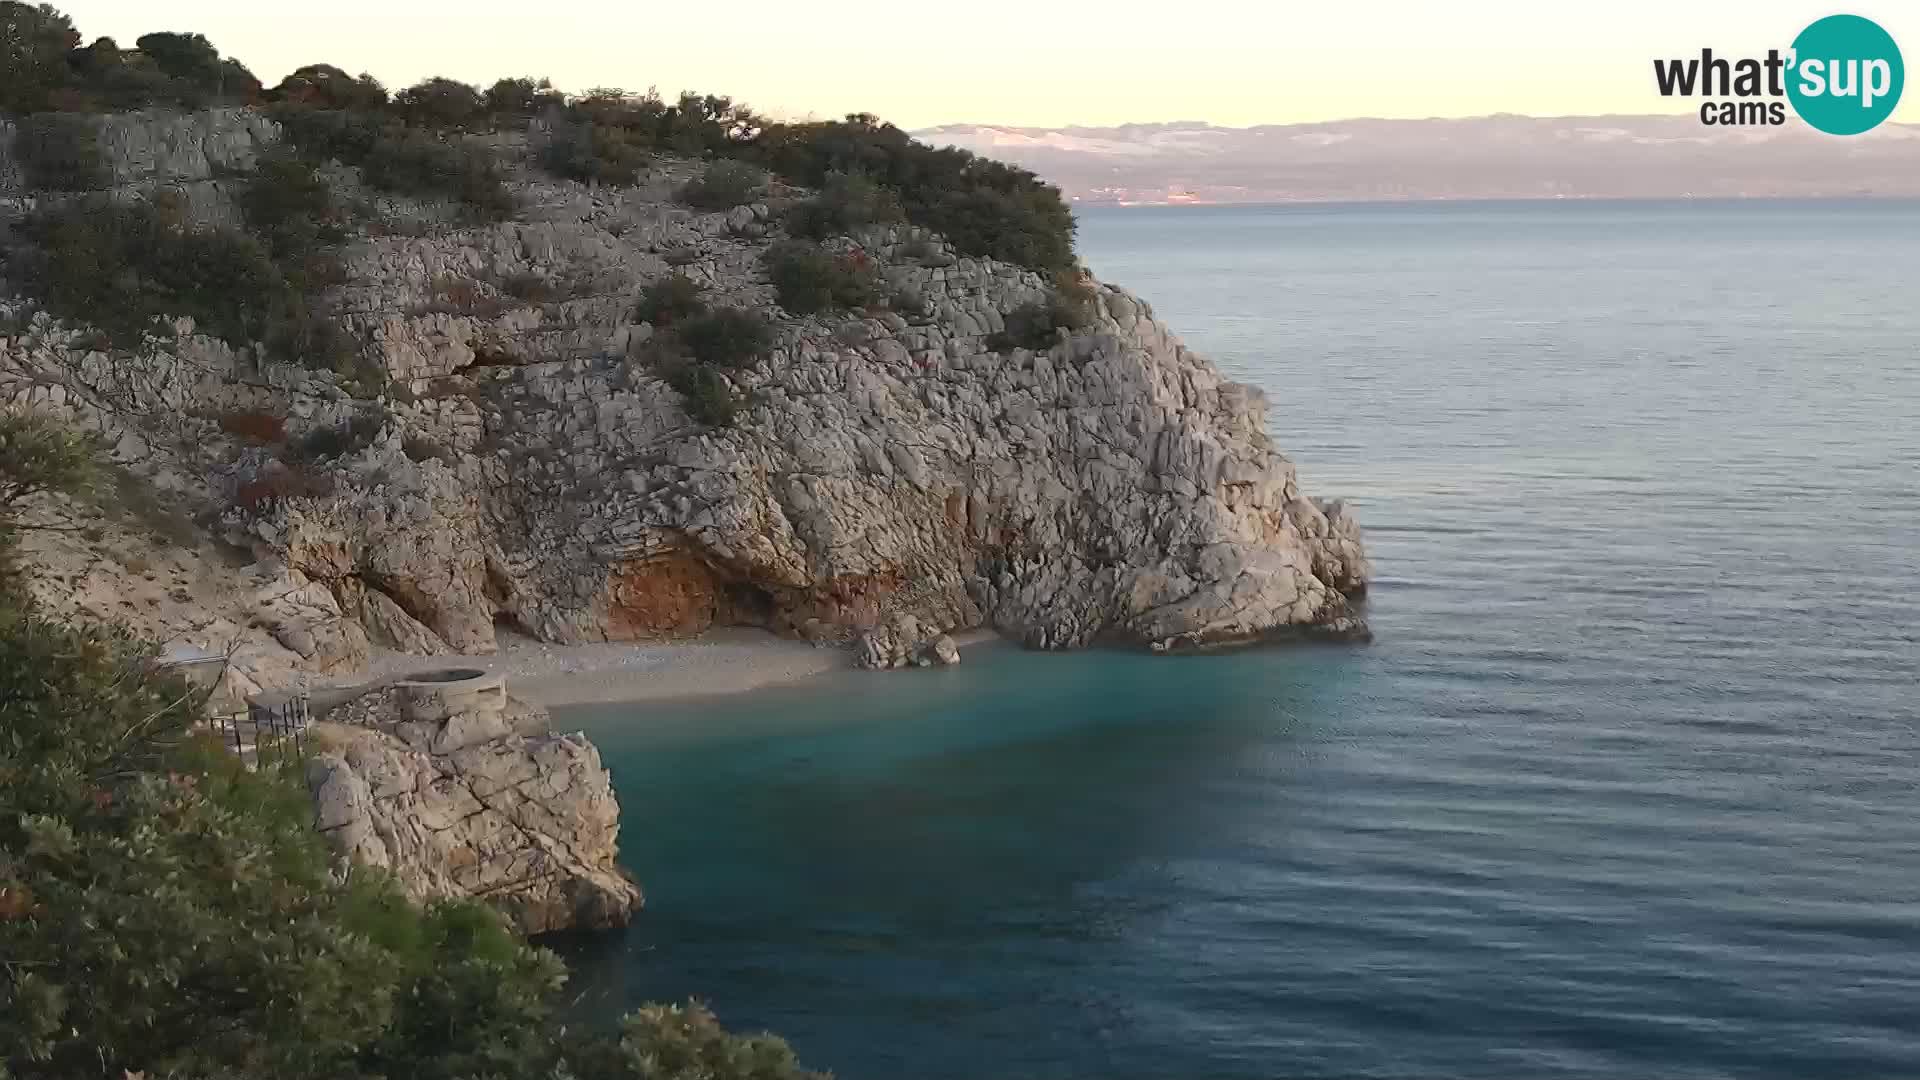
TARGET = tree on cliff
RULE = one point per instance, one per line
(34, 43)
(166, 911)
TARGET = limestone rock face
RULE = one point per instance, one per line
(1112, 486)
(173, 147)
(463, 793)
(530, 468)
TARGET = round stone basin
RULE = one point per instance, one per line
(434, 696)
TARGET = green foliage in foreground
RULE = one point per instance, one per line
(166, 912)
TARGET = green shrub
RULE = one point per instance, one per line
(122, 266)
(34, 43)
(663, 1042)
(330, 134)
(416, 163)
(60, 152)
(982, 207)
(671, 299)
(596, 153)
(196, 71)
(726, 337)
(847, 201)
(291, 208)
(1036, 325)
(811, 279)
(723, 186)
(695, 125)
(439, 103)
(301, 331)
(396, 158)
(42, 67)
(706, 394)
(521, 97)
(325, 87)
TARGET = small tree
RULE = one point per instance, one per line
(810, 279)
(724, 185)
(37, 457)
(847, 201)
(60, 152)
(34, 43)
(439, 103)
(669, 300)
(705, 393)
(291, 207)
(324, 86)
(193, 62)
(521, 97)
(726, 337)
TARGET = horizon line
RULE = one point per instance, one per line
(1344, 120)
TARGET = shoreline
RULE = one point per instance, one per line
(727, 661)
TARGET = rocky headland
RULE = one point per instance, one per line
(509, 452)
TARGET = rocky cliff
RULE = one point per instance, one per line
(525, 466)
(458, 790)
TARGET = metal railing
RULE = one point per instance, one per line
(274, 728)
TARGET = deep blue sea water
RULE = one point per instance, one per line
(1629, 785)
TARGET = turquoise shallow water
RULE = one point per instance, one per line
(1629, 785)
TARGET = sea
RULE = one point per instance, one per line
(1628, 785)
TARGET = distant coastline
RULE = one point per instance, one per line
(1203, 204)
(1492, 157)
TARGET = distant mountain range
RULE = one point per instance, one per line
(1479, 158)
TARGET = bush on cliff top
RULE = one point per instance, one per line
(847, 201)
(594, 153)
(810, 279)
(42, 66)
(397, 158)
(982, 207)
(1069, 306)
(165, 911)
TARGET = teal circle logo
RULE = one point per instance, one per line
(1846, 75)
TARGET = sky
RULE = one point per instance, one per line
(1041, 63)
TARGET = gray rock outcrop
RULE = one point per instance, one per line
(903, 642)
(459, 791)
